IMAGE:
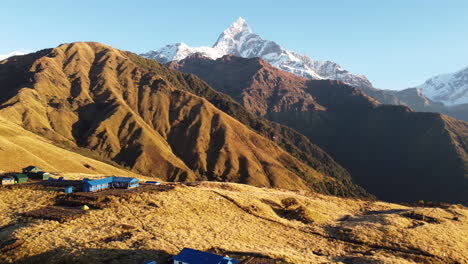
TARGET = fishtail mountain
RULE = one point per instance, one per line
(392, 151)
(156, 121)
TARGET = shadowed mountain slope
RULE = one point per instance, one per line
(398, 154)
(146, 117)
(459, 111)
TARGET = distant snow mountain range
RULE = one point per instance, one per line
(239, 40)
(451, 89)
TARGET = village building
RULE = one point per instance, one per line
(125, 182)
(109, 182)
(8, 181)
(96, 185)
(36, 172)
(44, 175)
(192, 256)
(32, 169)
(20, 178)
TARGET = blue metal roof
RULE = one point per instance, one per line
(153, 182)
(193, 256)
(99, 182)
(125, 180)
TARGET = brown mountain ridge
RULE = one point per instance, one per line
(148, 118)
(393, 152)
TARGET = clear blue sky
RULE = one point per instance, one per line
(395, 43)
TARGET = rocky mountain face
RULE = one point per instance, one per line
(393, 152)
(156, 121)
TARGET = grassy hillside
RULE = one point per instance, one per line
(232, 219)
(20, 148)
(89, 95)
(287, 138)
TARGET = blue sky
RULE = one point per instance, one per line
(395, 43)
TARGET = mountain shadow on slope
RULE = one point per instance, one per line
(392, 151)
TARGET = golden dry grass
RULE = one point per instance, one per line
(20, 148)
(236, 218)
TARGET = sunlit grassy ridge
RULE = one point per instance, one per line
(19, 148)
(291, 226)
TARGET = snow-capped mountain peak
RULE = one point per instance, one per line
(238, 28)
(239, 40)
(233, 38)
(179, 51)
(451, 89)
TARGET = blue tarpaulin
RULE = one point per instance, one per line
(69, 189)
(192, 256)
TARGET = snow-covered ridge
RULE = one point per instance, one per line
(179, 51)
(239, 40)
(14, 53)
(451, 89)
